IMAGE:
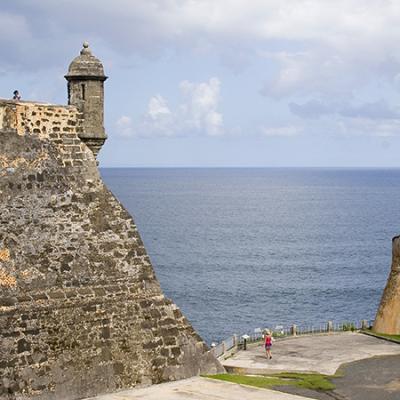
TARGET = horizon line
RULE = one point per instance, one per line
(247, 167)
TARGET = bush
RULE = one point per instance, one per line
(348, 326)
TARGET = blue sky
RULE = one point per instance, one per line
(223, 82)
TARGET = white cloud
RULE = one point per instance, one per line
(199, 109)
(196, 114)
(124, 126)
(344, 35)
(375, 118)
(158, 107)
(281, 131)
(368, 127)
(315, 71)
(310, 48)
(158, 119)
(376, 110)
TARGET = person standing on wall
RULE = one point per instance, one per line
(16, 96)
(268, 339)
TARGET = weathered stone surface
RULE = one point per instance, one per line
(86, 91)
(388, 316)
(81, 311)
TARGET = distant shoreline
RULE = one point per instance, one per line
(273, 168)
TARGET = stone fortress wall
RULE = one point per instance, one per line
(81, 311)
(388, 316)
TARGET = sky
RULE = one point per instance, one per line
(221, 83)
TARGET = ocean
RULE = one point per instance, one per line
(244, 248)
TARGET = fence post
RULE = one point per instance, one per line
(294, 330)
(329, 327)
(364, 324)
(213, 345)
(245, 338)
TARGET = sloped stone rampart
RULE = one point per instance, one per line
(81, 311)
(388, 316)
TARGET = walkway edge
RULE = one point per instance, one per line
(380, 337)
(295, 396)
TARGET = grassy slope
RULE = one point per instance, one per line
(395, 337)
(385, 335)
(308, 381)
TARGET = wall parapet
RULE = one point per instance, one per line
(61, 125)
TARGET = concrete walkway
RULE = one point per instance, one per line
(317, 353)
(370, 379)
(199, 389)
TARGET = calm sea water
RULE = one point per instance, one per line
(238, 249)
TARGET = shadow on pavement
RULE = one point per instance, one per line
(369, 379)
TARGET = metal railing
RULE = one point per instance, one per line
(235, 342)
(225, 346)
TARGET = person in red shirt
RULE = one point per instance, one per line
(268, 339)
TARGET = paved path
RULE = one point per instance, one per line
(199, 389)
(322, 353)
(371, 379)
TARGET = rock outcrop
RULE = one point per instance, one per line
(388, 316)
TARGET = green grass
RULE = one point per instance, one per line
(310, 381)
(257, 381)
(395, 337)
(385, 335)
(307, 381)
